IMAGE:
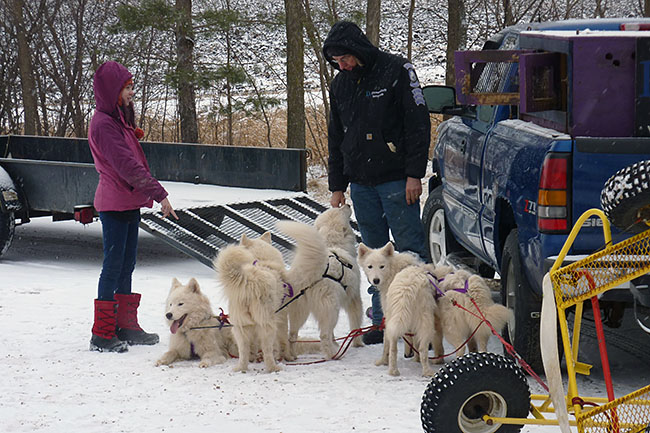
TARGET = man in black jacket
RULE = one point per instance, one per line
(378, 139)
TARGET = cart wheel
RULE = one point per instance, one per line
(7, 227)
(471, 386)
(625, 197)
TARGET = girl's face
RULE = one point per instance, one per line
(127, 94)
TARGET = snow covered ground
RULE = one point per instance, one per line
(51, 382)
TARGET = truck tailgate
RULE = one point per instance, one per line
(594, 161)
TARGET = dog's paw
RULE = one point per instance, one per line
(393, 371)
(273, 368)
(428, 372)
(381, 361)
(240, 369)
(439, 360)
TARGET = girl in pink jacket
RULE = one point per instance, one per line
(125, 185)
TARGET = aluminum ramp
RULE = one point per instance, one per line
(202, 231)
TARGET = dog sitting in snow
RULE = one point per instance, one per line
(195, 330)
(257, 283)
(338, 288)
(461, 287)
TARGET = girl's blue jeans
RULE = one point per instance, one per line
(120, 238)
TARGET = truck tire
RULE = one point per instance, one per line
(440, 241)
(625, 197)
(470, 386)
(517, 295)
(7, 228)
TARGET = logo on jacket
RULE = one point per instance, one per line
(376, 93)
(418, 97)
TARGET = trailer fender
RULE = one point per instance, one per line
(9, 197)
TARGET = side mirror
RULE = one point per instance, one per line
(442, 100)
(439, 97)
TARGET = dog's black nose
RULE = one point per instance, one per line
(169, 316)
(375, 281)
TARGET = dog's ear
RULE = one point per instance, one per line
(175, 283)
(266, 237)
(193, 285)
(388, 249)
(244, 240)
(363, 250)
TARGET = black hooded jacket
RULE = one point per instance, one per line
(379, 127)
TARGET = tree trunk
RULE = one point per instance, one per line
(409, 43)
(295, 75)
(185, 73)
(27, 82)
(508, 18)
(373, 18)
(456, 36)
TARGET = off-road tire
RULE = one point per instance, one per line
(7, 228)
(470, 386)
(517, 294)
(434, 221)
(626, 196)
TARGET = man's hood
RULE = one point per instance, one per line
(108, 82)
(346, 36)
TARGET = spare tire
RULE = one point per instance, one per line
(625, 198)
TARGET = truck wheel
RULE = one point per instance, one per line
(7, 227)
(625, 197)
(517, 295)
(439, 240)
(465, 389)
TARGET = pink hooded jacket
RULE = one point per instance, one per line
(125, 181)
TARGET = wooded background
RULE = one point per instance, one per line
(231, 72)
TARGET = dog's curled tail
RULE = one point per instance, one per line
(230, 265)
(499, 316)
(310, 256)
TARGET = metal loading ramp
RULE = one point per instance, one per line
(202, 231)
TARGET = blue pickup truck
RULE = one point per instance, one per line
(537, 122)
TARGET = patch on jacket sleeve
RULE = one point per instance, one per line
(416, 90)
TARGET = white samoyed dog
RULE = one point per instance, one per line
(461, 287)
(338, 287)
(195, 330)
(257, 283)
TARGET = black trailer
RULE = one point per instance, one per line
(52, 176)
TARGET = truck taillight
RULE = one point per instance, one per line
(553, 202)
(635, 26)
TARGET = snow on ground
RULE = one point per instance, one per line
(51, 382)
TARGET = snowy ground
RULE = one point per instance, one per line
(51, 382)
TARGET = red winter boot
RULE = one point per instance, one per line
(103, 338)
(127, 321)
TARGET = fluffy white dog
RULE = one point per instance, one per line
(411, 307)
(457, 324)
(195, 330)
(256, 283)
(338, 288)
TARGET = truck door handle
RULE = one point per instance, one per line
(463, 146)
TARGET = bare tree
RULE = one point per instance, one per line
(27, 82)
(409, 42)
(457, 34)
(373, 18)
(185, 72)
(295, 75)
